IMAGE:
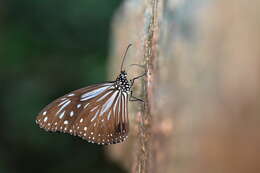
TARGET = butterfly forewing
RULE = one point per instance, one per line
(97, 113)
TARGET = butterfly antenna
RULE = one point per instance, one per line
(125, 56)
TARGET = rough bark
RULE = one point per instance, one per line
(202, 89)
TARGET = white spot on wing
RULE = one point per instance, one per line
(81, 120)
(71, 95)
(44, 113)
(71, 113)
(45, 119)
(66, 122)
(78, 106)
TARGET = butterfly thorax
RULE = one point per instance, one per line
(122, 83)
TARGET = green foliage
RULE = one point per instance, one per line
(48, 48)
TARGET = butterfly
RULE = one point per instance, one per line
(96, 113)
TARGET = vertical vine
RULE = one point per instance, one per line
(144, 150)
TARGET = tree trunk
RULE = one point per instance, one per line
(202, 89)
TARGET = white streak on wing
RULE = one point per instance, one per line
(63, 106)
(71, 95)
(123, 108)
(108, 103)
(94, 93)
(61, 103)
(62, 114)
(119, 95)
(94, 108)
(120, 118)
(125, 95)
(126, 110)
(126, 102)
(101, 98)
(86, 105)
(108, 116)
(119, 107)
(119, 104)
(94, 117)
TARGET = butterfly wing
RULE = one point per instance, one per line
(106, 121)
(98, 114)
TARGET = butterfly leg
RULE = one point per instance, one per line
(133, 98)
(138, 65)
(137, 77)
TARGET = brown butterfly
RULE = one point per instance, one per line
(96, 113)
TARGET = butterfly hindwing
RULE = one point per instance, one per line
(104, 123)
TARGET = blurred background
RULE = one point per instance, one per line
(202, 89)
(48, 48)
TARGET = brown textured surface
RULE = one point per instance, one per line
(203, 87)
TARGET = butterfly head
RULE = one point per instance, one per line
(122, 83)
(123, 74)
